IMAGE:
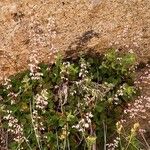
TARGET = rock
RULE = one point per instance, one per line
(119, 24)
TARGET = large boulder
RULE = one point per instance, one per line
(50, 25)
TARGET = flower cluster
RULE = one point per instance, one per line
(11, 94)
(37, 123)
(84, 123)
(114, 144)
(65, 71)
(119, 93)
(83, 70)
(41, 36)
(138, 109)
(14, 127)
(141, 105)
(64, 133)
(34, 68)
(6, 83)
(41, 100)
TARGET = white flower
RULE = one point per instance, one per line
(86, 125)
(77, 126)
(90, 114)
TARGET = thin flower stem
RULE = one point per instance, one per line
(28, 144)
(65, 143)
(129, 142)
(105, 142)
(36, 134)
(148, 146)
(68, 143)
(57, 140)
(120, 141)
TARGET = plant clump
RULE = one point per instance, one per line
(73, 104)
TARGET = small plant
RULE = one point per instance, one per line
(73, 104)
